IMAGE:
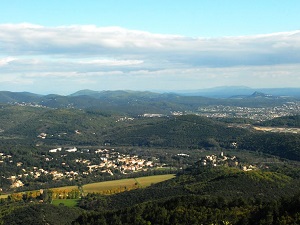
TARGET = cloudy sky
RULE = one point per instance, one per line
(63, 46)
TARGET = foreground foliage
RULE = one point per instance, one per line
(197, 195)
(201, 210)
(203, 196)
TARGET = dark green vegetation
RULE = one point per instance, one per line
(40, 214)
(20, 126)
(184, 131)
(286, 121)
(26, 123)
(65, 202)
(203, 196)
(201, 210)
(220, 182)
(280, 144)
(269, 194)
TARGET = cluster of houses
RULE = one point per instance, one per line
(151, 115)
(27, 104)
(111, 160)
(3, 157)
(34, 173)
(125, 119)
(216, 160)
(100, 161)
(221, 159)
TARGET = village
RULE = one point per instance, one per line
(101, 161)
(223, 160)
(87, 162)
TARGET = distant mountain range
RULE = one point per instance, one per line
(216, 92)
(139, 102)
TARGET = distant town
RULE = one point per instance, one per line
(255, 113)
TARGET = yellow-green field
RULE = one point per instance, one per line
(107, 187)
(147, 181)
(65, 202)
(116, 186)
(66, 188)
(3, 196)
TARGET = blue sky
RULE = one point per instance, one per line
(208, 18)
(64, 46)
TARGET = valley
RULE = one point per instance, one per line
(224, 156)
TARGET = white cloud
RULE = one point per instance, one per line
(116, 42)
(6, 60)
(114, 57)
(112, 62)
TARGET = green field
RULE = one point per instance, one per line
(65, 202)
(115, 186)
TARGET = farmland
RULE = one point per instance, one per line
(61, 194)
(116, 186)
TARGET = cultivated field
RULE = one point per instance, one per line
(66, 188)
(116, 186)
(107, 187)
(3, 196)
(147, 181)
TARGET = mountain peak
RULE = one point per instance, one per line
(260, 94)
(84, 92)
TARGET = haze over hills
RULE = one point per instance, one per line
(216, 92)
(141, 102)
(229, 91)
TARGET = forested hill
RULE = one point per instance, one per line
(182, 131)
(23, 125)
(286, 121)
(96, 127)
(135, 102)
(202, 196)
(7, 96)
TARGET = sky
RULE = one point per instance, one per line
(62, 46)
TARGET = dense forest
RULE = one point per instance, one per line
(285, 121)
(200, 210)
